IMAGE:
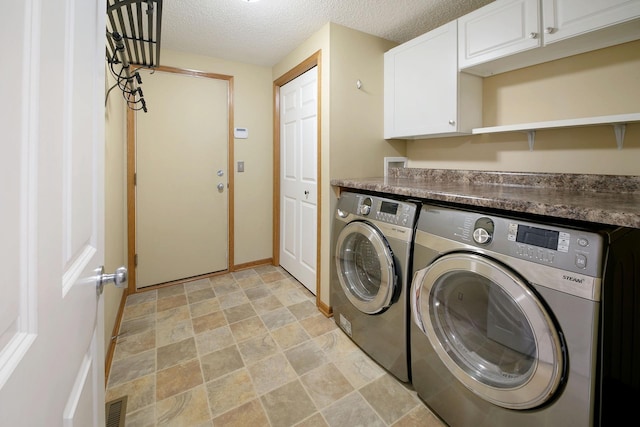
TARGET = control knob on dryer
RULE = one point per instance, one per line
(483, 231)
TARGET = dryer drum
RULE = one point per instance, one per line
(490, 330)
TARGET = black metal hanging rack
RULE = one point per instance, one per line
(133, 41)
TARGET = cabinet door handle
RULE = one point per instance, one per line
(452, 122)
(533, 35)
(549, 30)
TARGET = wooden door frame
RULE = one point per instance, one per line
(131, 184)
(315, 60)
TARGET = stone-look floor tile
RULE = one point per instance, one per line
(266, 268)
(185, 409)
(248, 328)
(266, 305)
(318, 325)
(132, 367)
(230, 391)
(291, 296)
(359, 369)
(290, 335)
(250, 414)
(271, 373)
(303, 309)
(128, 345)
(139, 310)
(176, 353)
(239, 312)
(200, 295)
(204, 307)
(170, 317)
(178, 379)
(288, 404)
(272, 276)
(233, 299)
(141, 297)
(249, 272)
(316, 420)
(352, 410)
(215, 339)
(138, 325)
(326, 385)
(283, 284)
(221, 279)
(170, 291)
(145, 417)
(257, 292)
(336, 344)
(208, 322)
(220, 363)
(305, 357)
(419, 417)
(140, 392)
(257, 348)
(226, 288)
(277, 318)
(196, 285)
(170, 333)
(172, 302)
(250, 282)
(390, 399)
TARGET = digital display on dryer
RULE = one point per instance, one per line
(389, 208)
(538, 237)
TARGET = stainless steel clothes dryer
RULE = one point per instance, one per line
(373, 238)
(505, 318)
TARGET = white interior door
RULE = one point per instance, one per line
(52, 213)
(298, 177)
(181, 168)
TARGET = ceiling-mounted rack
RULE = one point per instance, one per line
(133, 39)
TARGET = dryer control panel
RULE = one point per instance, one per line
(576, 250)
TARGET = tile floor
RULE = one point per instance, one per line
(249, 349)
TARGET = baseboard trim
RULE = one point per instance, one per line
(114, 335)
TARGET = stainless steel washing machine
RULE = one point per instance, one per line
(373, 239)
(505, 319)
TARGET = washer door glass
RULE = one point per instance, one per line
(365, 267)
(489, 329)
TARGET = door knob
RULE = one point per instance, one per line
(119, 278)
(220, 187)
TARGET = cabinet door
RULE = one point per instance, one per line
(420, 85)
(496, 30)
(567, 18)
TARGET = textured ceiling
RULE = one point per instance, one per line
(264, 32)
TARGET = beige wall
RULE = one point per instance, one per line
(599, 83)
(253, 187)
(115, 202)
(351, 119)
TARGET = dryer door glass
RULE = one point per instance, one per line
(365, 267)
(490, 330)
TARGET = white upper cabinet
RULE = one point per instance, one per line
(499, 29)
(424, 94)
(510, 34)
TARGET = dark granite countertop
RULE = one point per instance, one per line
(602, 199)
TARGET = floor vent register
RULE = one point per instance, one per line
(116, 410)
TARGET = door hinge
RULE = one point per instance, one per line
(135, 260)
